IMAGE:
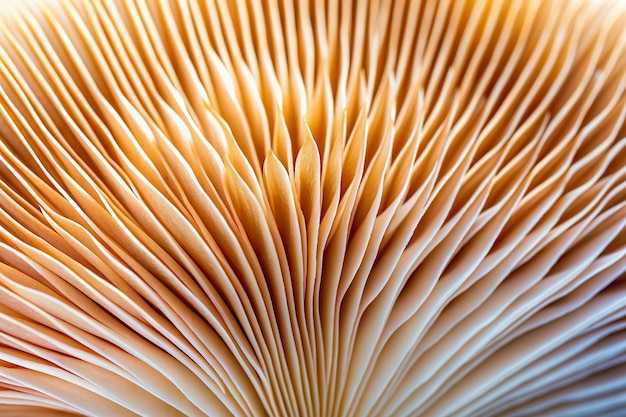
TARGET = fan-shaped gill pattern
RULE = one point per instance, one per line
(322, 208)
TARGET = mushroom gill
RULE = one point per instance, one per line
(312, 208)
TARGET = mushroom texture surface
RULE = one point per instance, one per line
(312, 208)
